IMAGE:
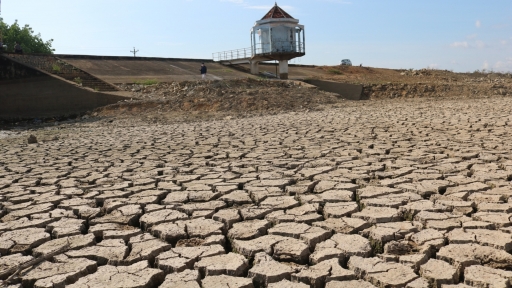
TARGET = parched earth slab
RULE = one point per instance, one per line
(66, 227)
(228, 217)
(439, 273)
(106, 252)
(250, 248)
(126, 215)
(375, 191)
(265, 270)
(248, 230)
(279, 203)
(144, 247)
(481, 276)
(162, 216)
(381, 274)
(169, 232)
(317, 275)
(184, 279)
(341, 246)
(308, 234)
(12, 261)
(464, 255)
(339, 210)
(343, 225)
(291, 250)
(222, 281)
(376, 215)
(28, 211)
(138, 275)
(182, 258)
(201, 228)
(16, 241)
(63, 272)
(190, 208)
(287, 284)
(349, 284)
(227, 264)
(67, 243)
(24, 222)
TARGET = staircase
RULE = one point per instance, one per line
(58, 67)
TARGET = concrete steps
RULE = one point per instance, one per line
(61, 68)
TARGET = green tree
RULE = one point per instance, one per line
(30, 42)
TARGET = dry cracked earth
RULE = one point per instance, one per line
(375, 194)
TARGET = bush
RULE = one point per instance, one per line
(146, 82)
(30, 42)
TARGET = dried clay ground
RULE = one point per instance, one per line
(407, 192)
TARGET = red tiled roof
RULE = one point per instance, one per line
(276, 12)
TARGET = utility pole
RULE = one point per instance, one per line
(134, 52)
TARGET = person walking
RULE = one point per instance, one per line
(203, 71)
(17, 48)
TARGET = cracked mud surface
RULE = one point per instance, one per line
(391, 193)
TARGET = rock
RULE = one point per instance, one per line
(222, 281)
(138, 275)
(228, 264)
(439, 273)
(32, 139)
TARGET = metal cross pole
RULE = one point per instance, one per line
(134, 52)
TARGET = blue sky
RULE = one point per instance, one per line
(458, 35)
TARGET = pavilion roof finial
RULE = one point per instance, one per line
(276, 12)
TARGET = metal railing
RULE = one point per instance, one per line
(233, 54)
(279, 47)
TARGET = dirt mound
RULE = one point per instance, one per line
(241, 95)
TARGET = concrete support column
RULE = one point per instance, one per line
(255, 69)
(283, 69)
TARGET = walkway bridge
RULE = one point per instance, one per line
(279, 51)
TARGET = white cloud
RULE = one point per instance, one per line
(478, 24)
(480, 44)
(472, 36)
(504, 65)
(485, 65)
(234, 1)
(462, 44)
(503, 42)
(433, 66)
